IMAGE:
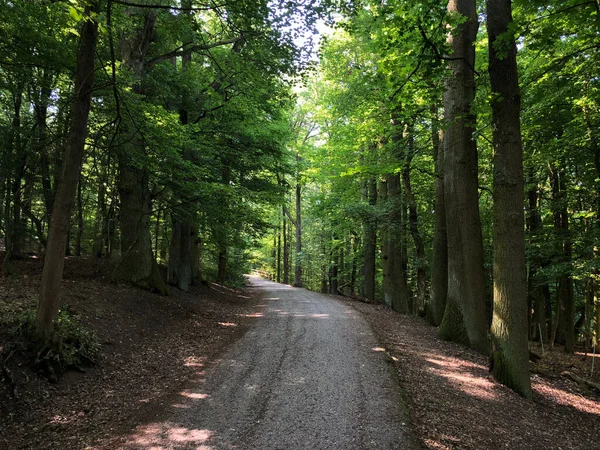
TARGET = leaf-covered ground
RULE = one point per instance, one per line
(454, 403)
(151, 345)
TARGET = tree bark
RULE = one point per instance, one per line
(137, 264)
(298, 268)
(510, 353)
(565, 315)
(439, 259)
(465, 317)
(52, 274)
(370, 245)
(414, 225)
(286, 249)
(384, 246)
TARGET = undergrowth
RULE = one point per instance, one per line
(73, 346)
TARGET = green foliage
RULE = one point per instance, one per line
(72, 346)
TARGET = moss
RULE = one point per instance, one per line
(452, 327)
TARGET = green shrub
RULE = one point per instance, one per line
(73, 345)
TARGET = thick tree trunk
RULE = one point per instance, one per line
(510, 353)
(397, 288)
(179, 270)
(465, 306)
(439, 259)
(137, 264)
(414, 226)
(61, 212)
(370, 246)
(384, 247)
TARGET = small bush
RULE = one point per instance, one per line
(74, 345)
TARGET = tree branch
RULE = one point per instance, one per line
(174, 8)
(183, 50)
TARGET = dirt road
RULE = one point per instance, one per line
(308, 375)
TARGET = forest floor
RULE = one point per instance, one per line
(150, 346)
(454, 403)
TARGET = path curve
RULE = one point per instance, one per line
(308, 375)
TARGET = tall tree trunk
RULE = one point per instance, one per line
(510, 353)
(180, 260)
(414, 225)
(398, 289)
(439, 259)
(195, 256)
(384, 246)
(79, 234)
(465, 318)
(370, 245)
(298, 268)
(286, 248)
(279, 255)
(137, 264)
(52, 273)
(565, 315)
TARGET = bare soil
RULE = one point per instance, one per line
(454, 403)
(151, 346)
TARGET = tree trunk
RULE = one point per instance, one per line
(52, 273)
(397, 288)
(439, 259)
(414, 225)
(195, 256)
(286, 249)
(565, 331)
(465, 306)
(384, 246)
(298, 269)
(510, 353)
(179, 270)
(79, 234)
(222, 265)
(137, 264)
(370, 246)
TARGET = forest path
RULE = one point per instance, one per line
(309, 374)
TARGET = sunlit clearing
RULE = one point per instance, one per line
(194, 395)
(378, 349)
(228, 324)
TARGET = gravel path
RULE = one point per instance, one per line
(308, 375)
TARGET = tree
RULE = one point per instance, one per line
(465, 318)
(510, 353)
(71, 167)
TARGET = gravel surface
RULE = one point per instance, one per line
(308, 375)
